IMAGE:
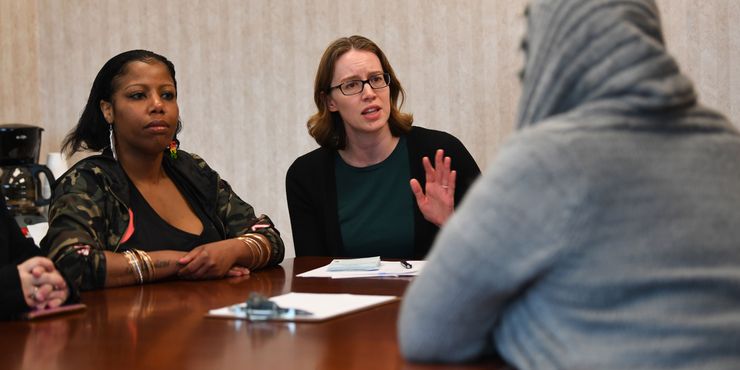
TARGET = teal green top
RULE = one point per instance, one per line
(375, 206)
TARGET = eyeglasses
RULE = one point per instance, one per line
(355, 87)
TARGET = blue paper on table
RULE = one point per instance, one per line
(355, 264)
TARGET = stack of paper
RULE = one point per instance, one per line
(355, 264)
(386, 269)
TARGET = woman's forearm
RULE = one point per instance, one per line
(120, 271)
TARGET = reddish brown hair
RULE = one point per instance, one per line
(327, 127)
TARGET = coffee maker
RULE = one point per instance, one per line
(21, 179)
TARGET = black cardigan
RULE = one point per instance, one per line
(14, 249)
(312, 194)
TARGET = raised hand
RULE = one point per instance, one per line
(437, 200)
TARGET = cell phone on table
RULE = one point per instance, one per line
(37, 314)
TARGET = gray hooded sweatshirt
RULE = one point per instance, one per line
(606, 234)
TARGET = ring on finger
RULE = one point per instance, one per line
(35, 294)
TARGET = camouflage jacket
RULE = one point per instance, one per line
(90, 207)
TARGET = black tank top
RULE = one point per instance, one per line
(152, 233)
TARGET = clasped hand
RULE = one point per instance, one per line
(211, 261)
(437, 200)
(42, 285)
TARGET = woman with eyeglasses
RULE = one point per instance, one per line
(371, 189)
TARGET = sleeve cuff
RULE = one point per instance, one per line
(11, 294)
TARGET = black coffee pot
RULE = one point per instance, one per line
(22, 185)
(21, 180)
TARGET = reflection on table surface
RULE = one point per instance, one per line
(162, 326)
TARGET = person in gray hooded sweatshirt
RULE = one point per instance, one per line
(606, 233)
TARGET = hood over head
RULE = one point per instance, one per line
(604, 60)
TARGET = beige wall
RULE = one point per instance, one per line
(19, 84)
(245, 68)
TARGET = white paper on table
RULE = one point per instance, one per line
(322, 306)
(387, 269)
(354, 264)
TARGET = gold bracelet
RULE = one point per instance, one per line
(147, 264)
(134, 263)
(250, 244)
(263, 244)
(257, 246)
(144, 269)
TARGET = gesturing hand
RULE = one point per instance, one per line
(437, 200)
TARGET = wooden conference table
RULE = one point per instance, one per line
(162, 326)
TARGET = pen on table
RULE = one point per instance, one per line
(405, 264)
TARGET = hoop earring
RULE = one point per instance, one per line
(112, 139)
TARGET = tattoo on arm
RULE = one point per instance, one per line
(162, 263)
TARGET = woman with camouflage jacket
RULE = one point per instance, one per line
(143, 210)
